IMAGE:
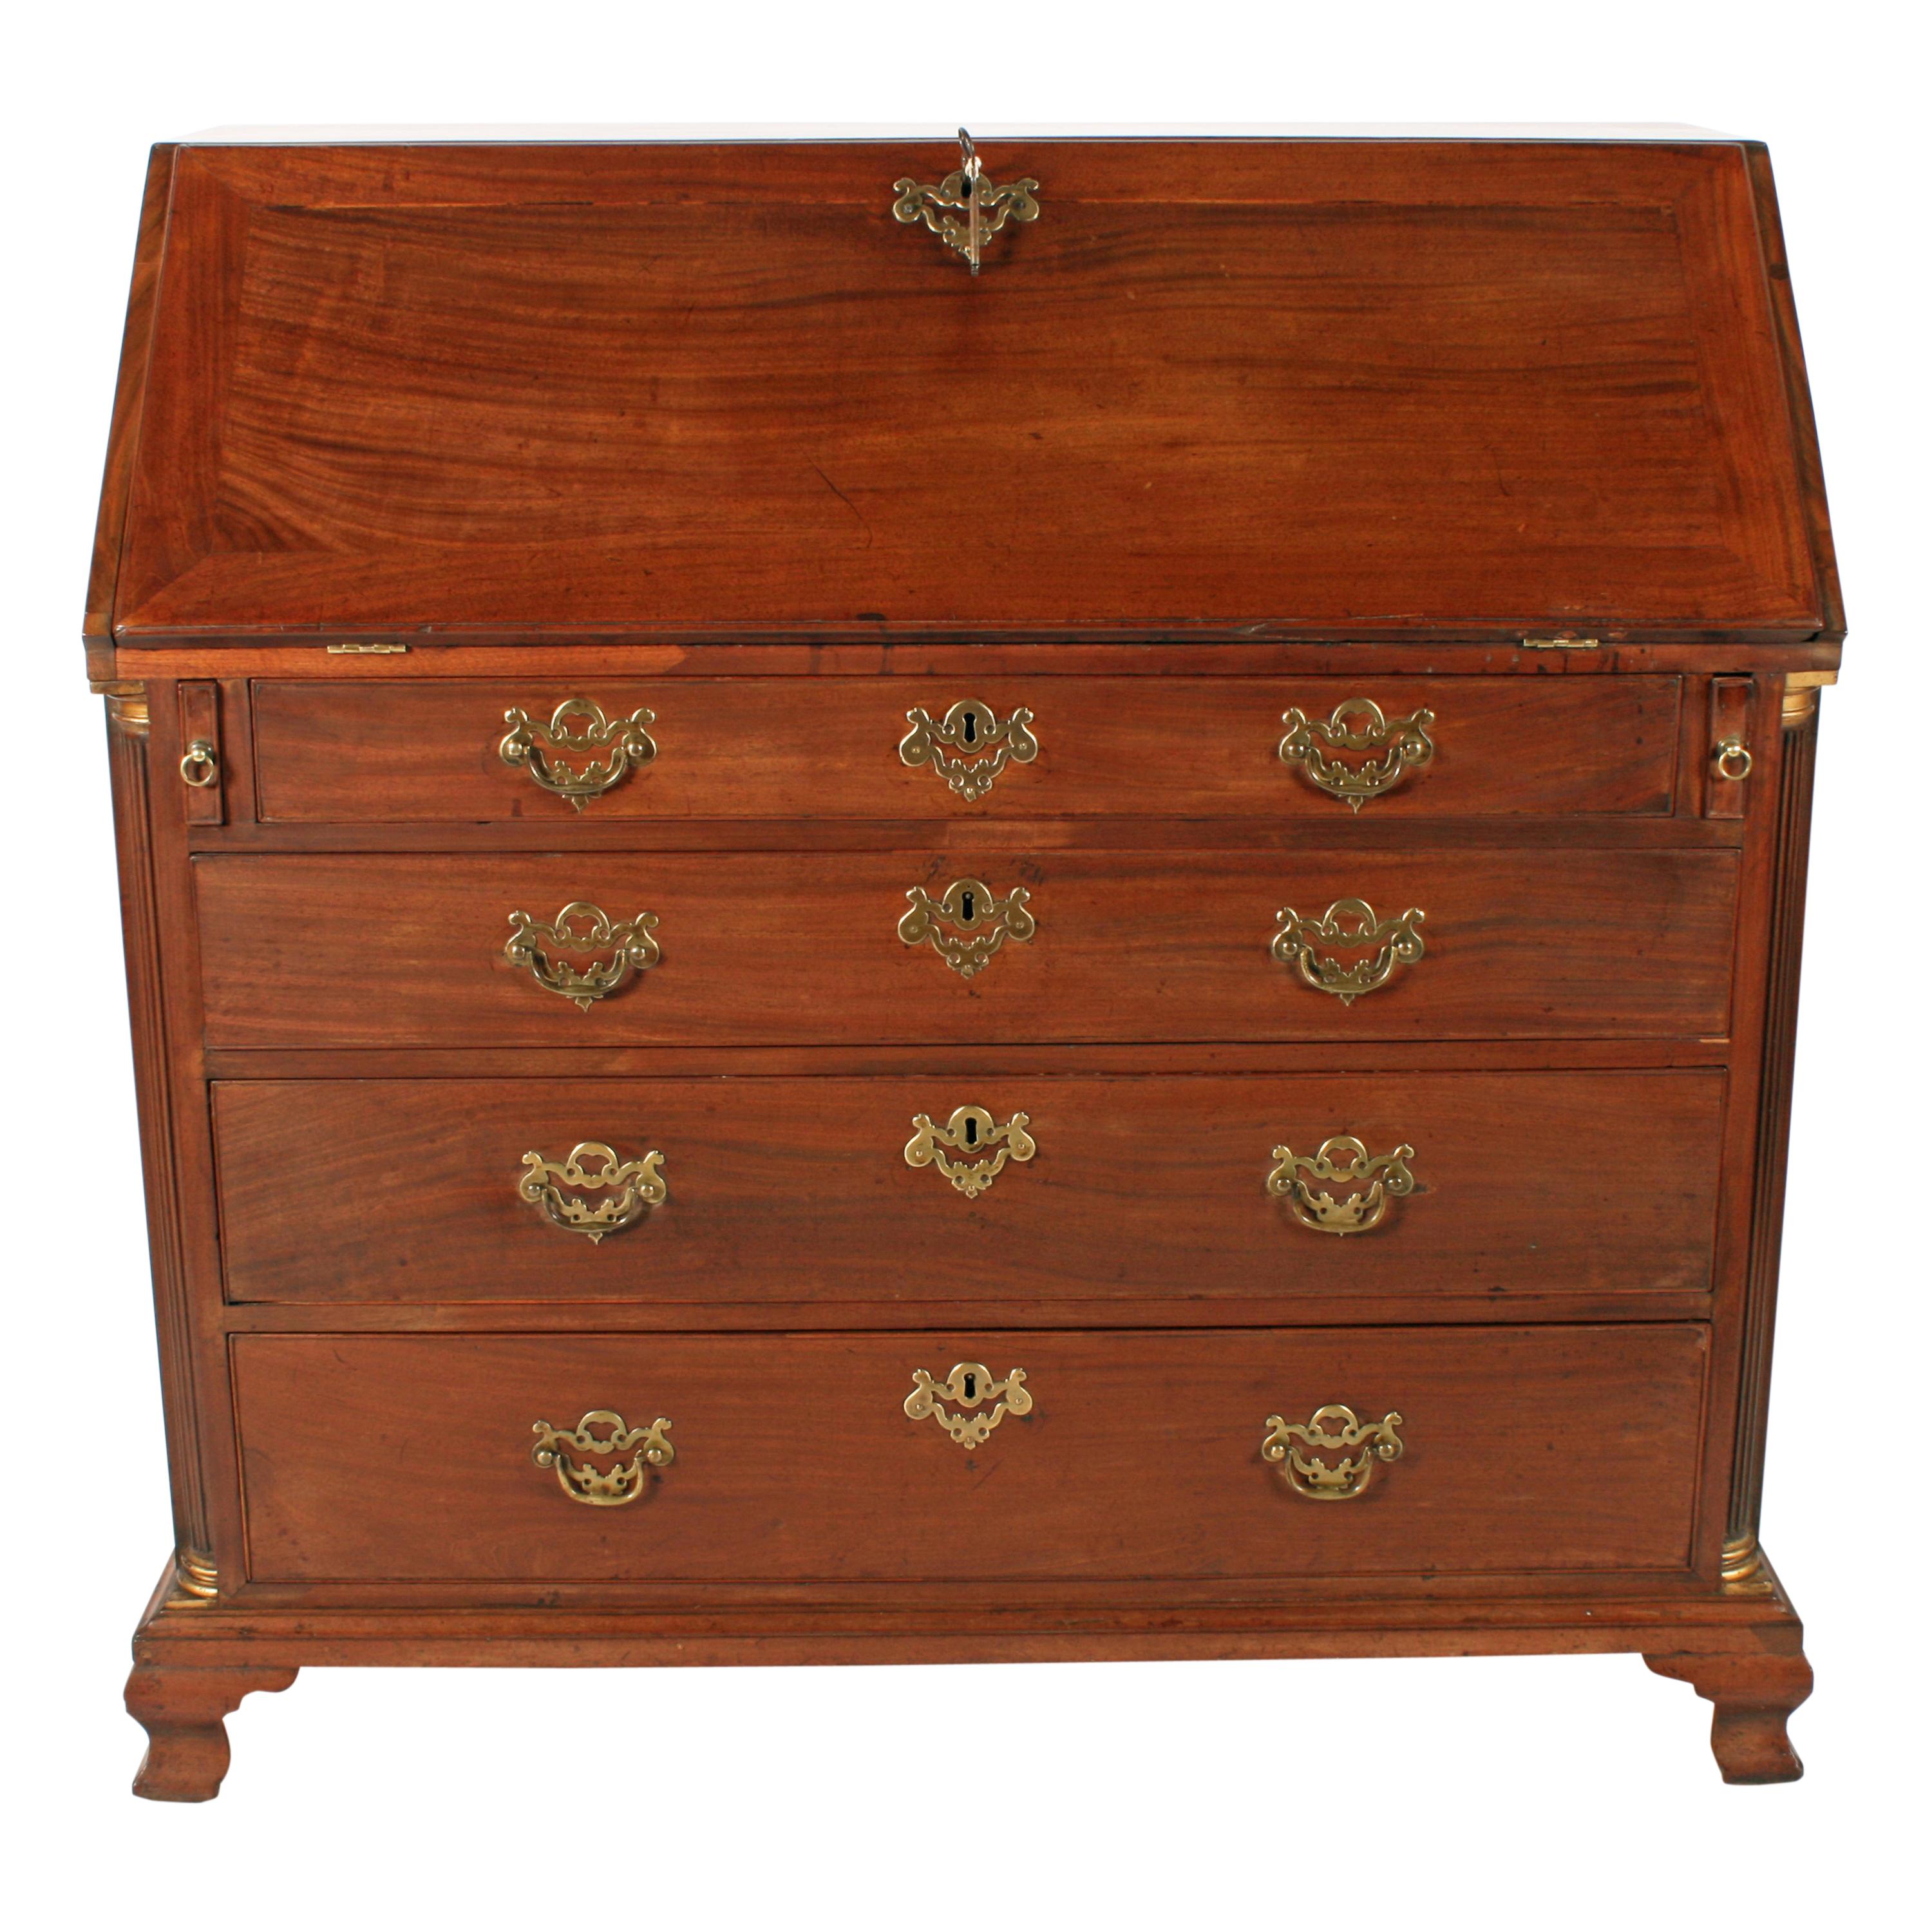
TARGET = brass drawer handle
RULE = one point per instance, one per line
(1403, 744)
(544, 951)
(969, 748)
(631, 1188)
(1331, 1482)
(626, 744)
(638, 1450)
(1732, 759)
(1380, 1179)
(199, 766)
(981, 922)
(1349, 925)
(972, 1133)
(972, 1384)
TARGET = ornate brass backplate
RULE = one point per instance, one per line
(1331, 1429)
(584, 932)
(638, 1451)
(1397, 745)
(970, 1149)
(969, 748)
(965, 192)
(1380, 1178)
(967, 923)
(629, 1189)
(537, 748)
(970, 1384)
(1349, 925)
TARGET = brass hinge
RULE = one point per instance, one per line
(367, 650)
(1560, 643)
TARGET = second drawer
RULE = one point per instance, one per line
(799, 1190)
(989, 944)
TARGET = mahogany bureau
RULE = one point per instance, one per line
(888, 905)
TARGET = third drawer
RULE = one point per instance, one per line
(1504, 1190)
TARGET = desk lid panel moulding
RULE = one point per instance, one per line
(1320, 386)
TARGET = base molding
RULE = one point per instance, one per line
(194, 1663)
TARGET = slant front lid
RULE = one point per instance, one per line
(1234, 387)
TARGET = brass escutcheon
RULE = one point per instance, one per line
(582, 928)
(1325, 1482)
(1341, 1157)
(971, 1384)
(631, 1188)
(639, 1451)
(969, 748)
(1350, 925)
(967, 192)
(1403, 743)
(624, 742)
(974, 1134)
(981, 922)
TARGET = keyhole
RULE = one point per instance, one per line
(969, 728)
(970, 1384)
(966, 907)
(972, 1133)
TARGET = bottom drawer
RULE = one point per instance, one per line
(409, 1457)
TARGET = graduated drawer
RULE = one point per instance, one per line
(409, 1458)
(762, 949)
(788, 1190)
(779, 748)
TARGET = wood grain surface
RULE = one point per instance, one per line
(783, 1191)
(408, 1457)
(1416, 385)
(765, 949)
(404, 752)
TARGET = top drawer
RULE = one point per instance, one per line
(400, 752)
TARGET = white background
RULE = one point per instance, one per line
(1574, 1793)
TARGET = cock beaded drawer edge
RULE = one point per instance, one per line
(1051, 913)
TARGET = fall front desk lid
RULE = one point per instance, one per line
(1235, 388)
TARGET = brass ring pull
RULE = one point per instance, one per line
(1380, 1178)
(1349, 925)
(1320, 1480)
(1403, 745)
(630, 1189)
(1732, 759)
(637, 1452)
(969, 748)
(580, 929)
(970, 1384)
(535, 749)
(199, 766)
